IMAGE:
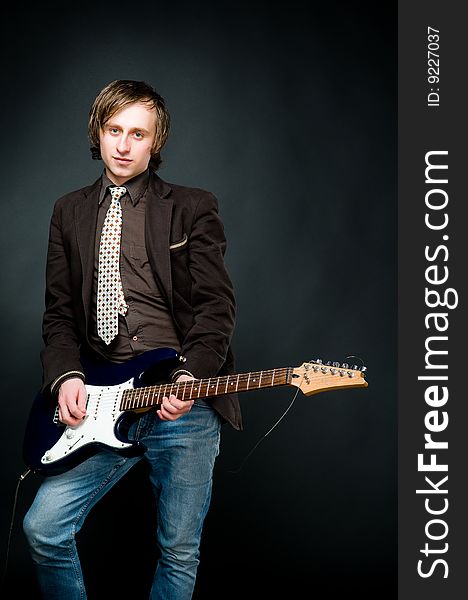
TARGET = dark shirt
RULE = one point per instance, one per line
(148, 323)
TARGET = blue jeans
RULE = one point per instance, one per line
(181, 455)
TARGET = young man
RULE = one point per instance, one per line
(134, 263)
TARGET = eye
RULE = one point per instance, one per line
(113, 130)
(138, 135)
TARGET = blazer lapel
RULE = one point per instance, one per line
(86, 211)
(157, 232)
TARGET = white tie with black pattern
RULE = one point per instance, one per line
(110, 298)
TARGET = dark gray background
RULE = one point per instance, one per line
(287, 114)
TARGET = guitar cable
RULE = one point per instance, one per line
(251, 451)
(233, 471)
(5, 568)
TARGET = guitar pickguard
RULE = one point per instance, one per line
(98, 426)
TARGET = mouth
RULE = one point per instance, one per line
(122, 161)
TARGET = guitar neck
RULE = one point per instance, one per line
(146, 397)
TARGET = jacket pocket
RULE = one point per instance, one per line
(179, 243)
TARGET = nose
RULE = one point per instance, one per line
(123, 144)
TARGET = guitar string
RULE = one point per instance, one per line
(109, 396)
(265, 435)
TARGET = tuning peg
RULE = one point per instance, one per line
(336, 364)
(355, 367)
(319, 361)
(328, 363)
(363, 368)
(345, 366)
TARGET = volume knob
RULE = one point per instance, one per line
(48, 456)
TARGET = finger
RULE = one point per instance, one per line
(82, 399)
(168, 408)
(160, 415)
(75, 411)
(169, 412)
(166, 415)
(65, 416)
(70, 409)
(181, 405)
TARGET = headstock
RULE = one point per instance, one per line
(315, 376)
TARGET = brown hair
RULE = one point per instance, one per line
(115, 96)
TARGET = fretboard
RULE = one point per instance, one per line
(148, 396)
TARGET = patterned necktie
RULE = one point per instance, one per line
(110, 298)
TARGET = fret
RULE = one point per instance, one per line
(181, 390)
(145, 397)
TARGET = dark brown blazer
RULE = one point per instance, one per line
(185, 243)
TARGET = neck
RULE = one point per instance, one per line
(146, 397)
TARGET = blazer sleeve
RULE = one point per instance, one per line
(60, 356)
(205, 345)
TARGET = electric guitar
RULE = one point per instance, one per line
(117, 394)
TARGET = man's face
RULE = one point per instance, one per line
(126, 141)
